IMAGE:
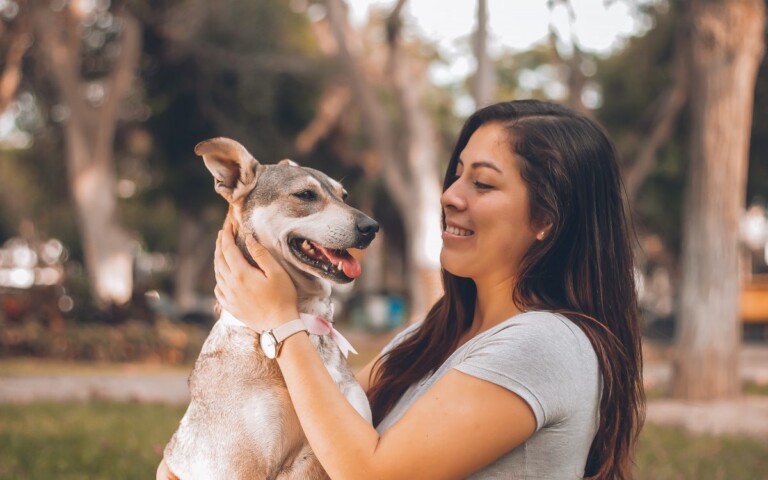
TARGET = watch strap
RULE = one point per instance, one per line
(286, 330)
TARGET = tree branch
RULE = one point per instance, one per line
(59, 35)
(668, 107)
(418, 132)
(20, 41)
(330, 109)
(123, 73)
(375, 118)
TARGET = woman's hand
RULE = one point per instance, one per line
(263, 298)
(164, 473)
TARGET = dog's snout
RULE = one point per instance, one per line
(367, 226)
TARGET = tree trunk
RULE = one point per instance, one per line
(89, 137)
(727, 44)
(422, 217)
(106, 247)
(484, 81)
(569, 65)
(196, 243)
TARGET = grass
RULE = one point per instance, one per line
(669, 453)
(84, 441)
(125, 441)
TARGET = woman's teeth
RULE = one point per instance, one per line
(458, 231)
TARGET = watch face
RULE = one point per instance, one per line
(268, 344)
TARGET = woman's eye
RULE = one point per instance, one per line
(306, 195)
(482, 186)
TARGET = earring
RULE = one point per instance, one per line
(540, 236)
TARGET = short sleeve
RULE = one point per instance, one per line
(543, 358)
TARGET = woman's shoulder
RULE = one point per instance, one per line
(542, 323)
(537, 334)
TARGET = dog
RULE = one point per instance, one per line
(240, 423)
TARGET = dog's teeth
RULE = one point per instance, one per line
(305, 245)
(340, 267)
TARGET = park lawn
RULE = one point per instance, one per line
(103, 440)
(97, 440)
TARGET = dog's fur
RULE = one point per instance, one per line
(240, 422)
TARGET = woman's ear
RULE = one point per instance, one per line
(543, 231)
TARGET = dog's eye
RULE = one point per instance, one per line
(308, 195)
(344, 195)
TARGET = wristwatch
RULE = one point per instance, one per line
(272, 340)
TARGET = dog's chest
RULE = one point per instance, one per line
(240, 418)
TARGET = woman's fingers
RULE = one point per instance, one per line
(232, 255)
(261, 256)
(220, 297)
(219, 262)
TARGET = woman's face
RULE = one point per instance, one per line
(488, 228)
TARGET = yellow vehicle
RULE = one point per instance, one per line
(754, 300)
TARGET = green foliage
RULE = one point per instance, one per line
(32, 188)
(631, 82)
(241, 69)
(525, 74)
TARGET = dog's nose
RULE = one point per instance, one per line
(367, 226)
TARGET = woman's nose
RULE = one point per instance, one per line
(453, 197)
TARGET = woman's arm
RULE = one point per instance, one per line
(460, 425)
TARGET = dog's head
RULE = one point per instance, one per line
(297, 213)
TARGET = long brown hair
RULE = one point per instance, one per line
(583, 269)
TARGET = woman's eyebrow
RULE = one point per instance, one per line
(480, 164)
(484, 164)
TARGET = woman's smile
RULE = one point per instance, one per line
(452, 232)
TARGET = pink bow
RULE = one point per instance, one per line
(320, 326)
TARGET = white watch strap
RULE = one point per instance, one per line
(284, 331)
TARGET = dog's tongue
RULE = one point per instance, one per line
(349, 265)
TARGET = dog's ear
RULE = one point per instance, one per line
(288, 161)
(234, 169)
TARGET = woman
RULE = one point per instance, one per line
(529, 366)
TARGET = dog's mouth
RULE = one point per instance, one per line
(337, 265)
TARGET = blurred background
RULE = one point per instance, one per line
(108, 220)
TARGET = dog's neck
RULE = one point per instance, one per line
(314, 294)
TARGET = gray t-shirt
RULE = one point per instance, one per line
(548, 361)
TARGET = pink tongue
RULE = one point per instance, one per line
(349, 265)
